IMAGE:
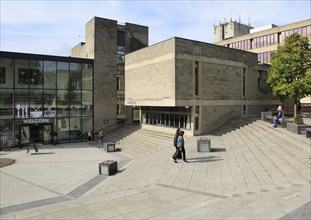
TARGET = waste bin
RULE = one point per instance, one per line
(108, 167)
(110, 147)
(204, 145)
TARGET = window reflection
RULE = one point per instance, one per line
(6, 70)
(63, 75)
(6, 104)
(49, 74)
(87, 82)
(61, 92)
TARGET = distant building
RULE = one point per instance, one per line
(194, 85)
(263, 40)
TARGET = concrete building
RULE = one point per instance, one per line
(194, 85)
(262, 40)
(107, 41)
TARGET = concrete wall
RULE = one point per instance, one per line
(101, 45)
(150, 76)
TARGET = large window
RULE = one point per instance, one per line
(168, 116)
(57, 93)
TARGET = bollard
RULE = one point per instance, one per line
(108, 167)
(204, 145)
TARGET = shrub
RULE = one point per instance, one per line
(298, 120)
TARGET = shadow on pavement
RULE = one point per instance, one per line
(204, 159)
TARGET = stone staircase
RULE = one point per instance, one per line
(137, 142)
(234, 124)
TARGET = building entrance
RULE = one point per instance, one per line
(39, 133)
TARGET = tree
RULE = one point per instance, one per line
(290, 73)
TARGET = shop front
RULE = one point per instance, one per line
(45, 99)
(35, 130)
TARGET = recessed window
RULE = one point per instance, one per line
(2, 75)
(30, 76)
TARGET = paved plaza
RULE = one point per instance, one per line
(252, 172)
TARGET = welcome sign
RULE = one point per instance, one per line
(34, 121)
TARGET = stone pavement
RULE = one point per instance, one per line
(254, 172)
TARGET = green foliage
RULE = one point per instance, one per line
(290, 72)
(298, 120)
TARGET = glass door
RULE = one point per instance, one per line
(24, 134)
(47, 134)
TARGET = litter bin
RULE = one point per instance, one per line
(110, 147)
(108, 167)
(204, 145)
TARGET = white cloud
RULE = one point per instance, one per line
(52, 27)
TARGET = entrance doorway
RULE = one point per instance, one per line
(39, 133)
(36, 132)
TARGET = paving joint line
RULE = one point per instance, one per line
(73, 195)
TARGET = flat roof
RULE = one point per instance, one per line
(18, 55)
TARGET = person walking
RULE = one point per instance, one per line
(89, 137)
(100, 139)
(180, 149)
(175, 141)
(181, 143)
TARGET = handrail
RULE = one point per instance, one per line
(223, 118)
(109, 126)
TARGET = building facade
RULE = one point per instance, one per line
(45, 98)
(52, 98)
(194, 85)
(262, 40)
(107, 42)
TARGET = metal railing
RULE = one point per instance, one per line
(109, 128)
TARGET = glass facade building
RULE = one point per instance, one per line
(45, 98)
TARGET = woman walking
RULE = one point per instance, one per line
(180, 148)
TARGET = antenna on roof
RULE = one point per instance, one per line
(80, 36)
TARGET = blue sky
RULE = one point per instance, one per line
(54, 27)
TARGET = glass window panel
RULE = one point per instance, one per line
(87, 123)
(22, 73)
(87, 77)
(120, 83)
(63, 75)
(62, 103)
(63, 129)
(49, 103)
(120, 109)
(87, 104)
(21, 100)
(120, 67)
(49, 74)
(75, 76)
(36, 69)
(6, 104)
(6, 73)
(7, 130)
(75, 129)
(75, 103)
(35, 108)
